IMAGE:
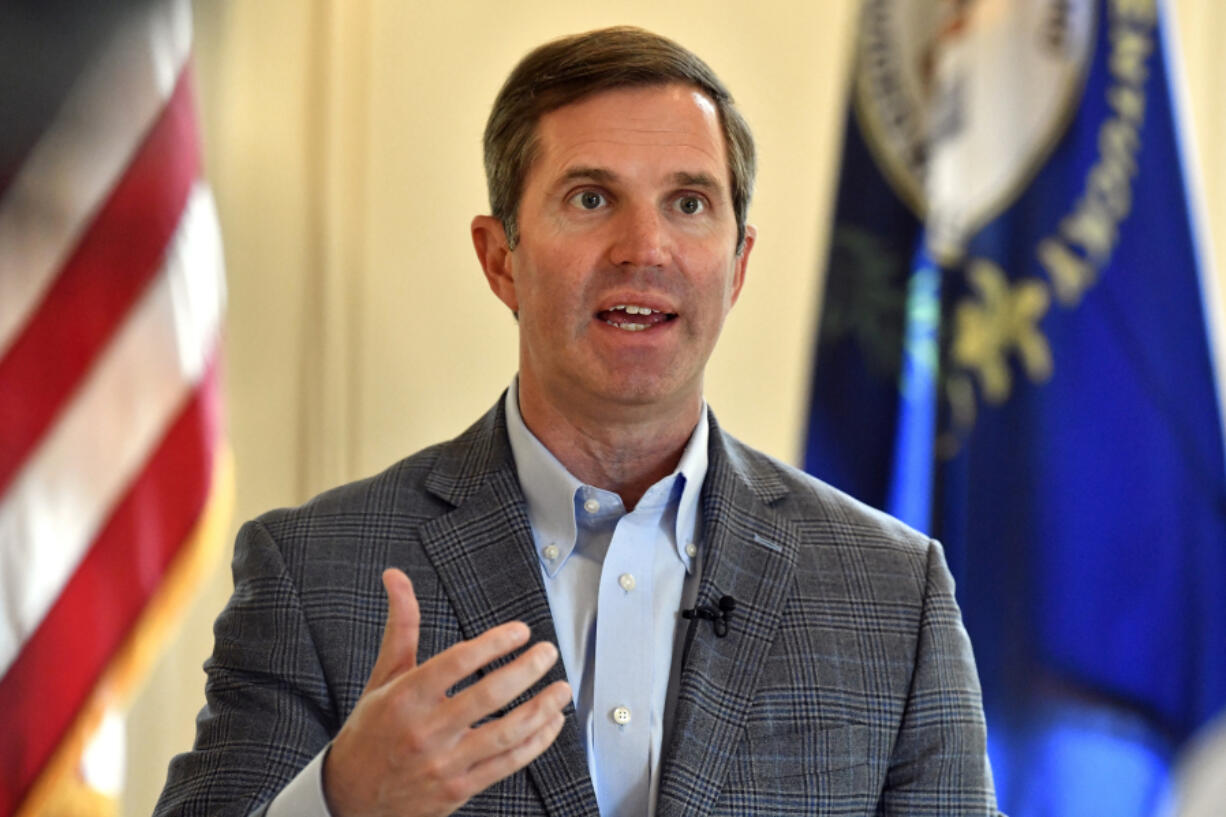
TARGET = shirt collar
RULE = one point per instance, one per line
(550, 490)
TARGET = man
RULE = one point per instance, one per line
(820, 663)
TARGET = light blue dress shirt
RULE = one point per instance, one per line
(616, 584)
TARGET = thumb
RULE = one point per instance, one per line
(398, 651)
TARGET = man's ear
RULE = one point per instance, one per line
(742, 261)
(490, 242)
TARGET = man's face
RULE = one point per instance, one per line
(626, 264)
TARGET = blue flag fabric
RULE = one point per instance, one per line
(1019, 365)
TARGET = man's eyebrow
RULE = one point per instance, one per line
(605, 176)
(592, 174)
(703, 180)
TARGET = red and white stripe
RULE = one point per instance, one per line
(111, 297)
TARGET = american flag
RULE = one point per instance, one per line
(111, 455)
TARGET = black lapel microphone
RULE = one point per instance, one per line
(717, 616)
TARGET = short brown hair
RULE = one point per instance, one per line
(567, 70)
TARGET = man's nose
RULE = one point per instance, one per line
(640, 238)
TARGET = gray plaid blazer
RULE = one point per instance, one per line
(845, 685)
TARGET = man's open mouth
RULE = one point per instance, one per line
(634, 318)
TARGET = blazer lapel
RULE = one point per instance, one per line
(484, 557)
(749, 555)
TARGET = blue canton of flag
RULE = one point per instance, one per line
(1014, 358)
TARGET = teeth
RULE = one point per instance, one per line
(632, 309)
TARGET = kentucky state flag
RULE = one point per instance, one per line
(1014, 357)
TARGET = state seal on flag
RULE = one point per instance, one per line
(962, 101)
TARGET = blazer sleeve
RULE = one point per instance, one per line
(939, 763)
(267, 705)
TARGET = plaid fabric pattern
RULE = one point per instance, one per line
(846, 683)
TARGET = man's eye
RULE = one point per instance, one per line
(690, 205)
(588, 200)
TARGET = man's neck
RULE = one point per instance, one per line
(621, 449)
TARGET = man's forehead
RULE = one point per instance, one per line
(676, 122)
(669, 101)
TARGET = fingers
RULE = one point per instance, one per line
(398, 650)
(499, 688)
(430, 682)
(407, 741)
(504, 745)
(515, 740)
(506, 733)
(459, 661)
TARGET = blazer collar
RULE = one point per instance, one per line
(483, 555)
(750, 555)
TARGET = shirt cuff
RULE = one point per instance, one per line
(304, 796)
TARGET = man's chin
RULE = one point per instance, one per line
(640, 391)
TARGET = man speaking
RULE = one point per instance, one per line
(594, 601)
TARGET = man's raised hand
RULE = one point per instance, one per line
(408, 749)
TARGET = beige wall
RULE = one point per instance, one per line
(343, 143)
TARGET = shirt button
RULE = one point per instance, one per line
(591, 506)
(550, 552)
(626, 581)
(621, 716)
(691, 550)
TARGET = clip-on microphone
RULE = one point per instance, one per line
(718, 617)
